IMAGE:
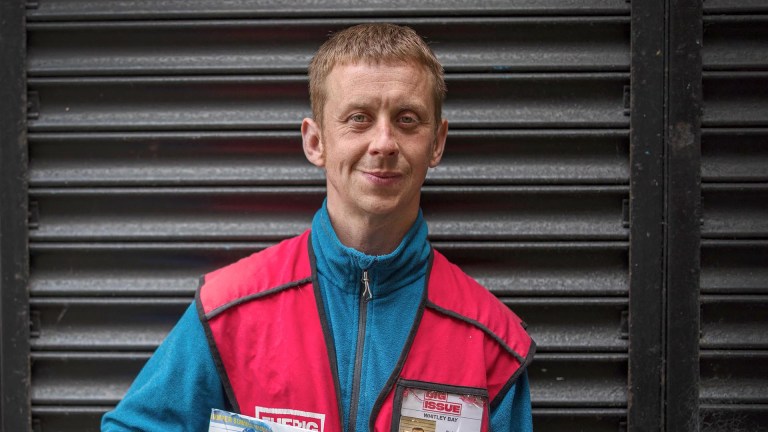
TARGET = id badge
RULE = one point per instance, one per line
(428, 407)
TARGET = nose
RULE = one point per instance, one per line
(384, 142)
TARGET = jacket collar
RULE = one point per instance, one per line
(342, 266)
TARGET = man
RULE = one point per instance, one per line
(330, 329)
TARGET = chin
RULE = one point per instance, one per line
(379, 210)
(386, 208)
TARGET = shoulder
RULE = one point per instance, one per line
(284, 263)
(454, 293)
(181, 365)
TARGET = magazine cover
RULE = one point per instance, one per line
(225, 421)
(437, 411)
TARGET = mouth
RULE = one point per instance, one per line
(383, 174)
(382, 177)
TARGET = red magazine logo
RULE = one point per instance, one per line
(438, 402)
(300, 419)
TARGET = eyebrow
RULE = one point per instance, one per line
(365, 105)
(355, 105)
(418, 108)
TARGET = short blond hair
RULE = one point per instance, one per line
(374, 44)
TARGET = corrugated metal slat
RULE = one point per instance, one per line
(103, 324)
(268, 214)
(269, 102)
(736, 210)
(734, 322)
(271, 158)
(282, 46)
(579, 419)
(156, 269)
(139, 324)
(544, 269)
(86, 418)
(579, 380)
(63, 418)
(143, 9)
(735, 6)
(734, 267)
(734, 155)
(67, 378)
(734, 377)
(735, 42)
(729, 418)
(735, 99)
(574, 324)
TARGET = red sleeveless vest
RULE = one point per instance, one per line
(265, 323)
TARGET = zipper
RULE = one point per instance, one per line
(366, 296)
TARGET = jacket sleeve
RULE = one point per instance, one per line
(513, 414)
(176, 389)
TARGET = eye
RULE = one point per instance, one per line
(408, 120)
(358, 118)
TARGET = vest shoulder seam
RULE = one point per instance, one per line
(215, 354)
(511, 381)
(255, 296)
(479, 325)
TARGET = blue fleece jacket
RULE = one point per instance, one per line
(179, 385)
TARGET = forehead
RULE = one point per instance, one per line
(366, 79)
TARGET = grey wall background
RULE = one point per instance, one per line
(606, 176)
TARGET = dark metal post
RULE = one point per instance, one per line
(14, 255)
(646, 262)
(683, 213)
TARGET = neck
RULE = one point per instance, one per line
(371, 234)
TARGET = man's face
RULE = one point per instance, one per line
(378, 138)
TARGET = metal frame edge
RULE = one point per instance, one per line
(683, 213)
(646, 260)
(14, 250)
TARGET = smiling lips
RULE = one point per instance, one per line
(382, 177)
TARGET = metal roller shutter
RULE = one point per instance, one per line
(170, 146)
(734, 170)
(162, 142)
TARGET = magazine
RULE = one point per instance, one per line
(225, 421)
(425, 410)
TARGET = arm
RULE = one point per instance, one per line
(176, 389)
(513, 414)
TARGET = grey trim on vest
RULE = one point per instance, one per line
(255, 296)
(511, 381)
(228, 389)
(479, 325)
(330, 344)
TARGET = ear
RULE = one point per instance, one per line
(439, 145)
(312, 142)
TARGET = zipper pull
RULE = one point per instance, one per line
(367, 294)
